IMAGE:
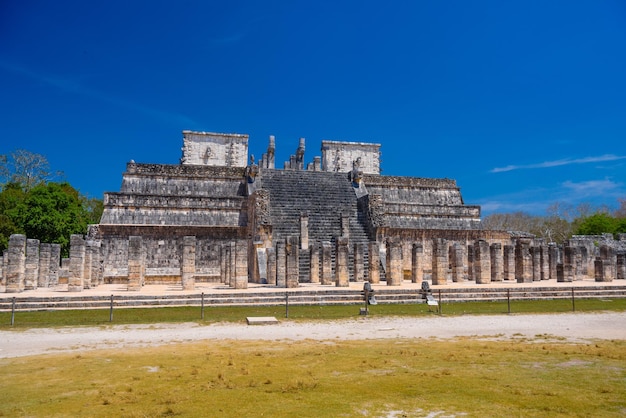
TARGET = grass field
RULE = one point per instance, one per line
(414, 378)
(316, 312)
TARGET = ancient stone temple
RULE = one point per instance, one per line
(223, 216)
(332, 220)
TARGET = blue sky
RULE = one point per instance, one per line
(523, 103)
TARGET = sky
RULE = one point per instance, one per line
(523, 103)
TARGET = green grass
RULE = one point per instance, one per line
(464, 377)
(213, 314)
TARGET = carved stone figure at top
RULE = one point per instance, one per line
(356, 174)
(252, 170)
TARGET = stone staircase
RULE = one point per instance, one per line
(324, 197)
(323, 296)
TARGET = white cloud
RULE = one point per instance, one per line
(557, 163)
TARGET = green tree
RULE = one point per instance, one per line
(51, 213)
(11, 197)
(596, 224)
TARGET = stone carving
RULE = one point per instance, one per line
(252, 170)
(356, 175)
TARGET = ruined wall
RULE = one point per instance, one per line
(214, 149)
(339, 156)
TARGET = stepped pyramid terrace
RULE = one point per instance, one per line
(222, 216)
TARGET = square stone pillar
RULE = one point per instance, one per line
(55, 264)
(359, 262)
(293, 262)
(482, 262)
(304, 231)
(188, 263)
(135, 263)
(394, 272)
(16, 264)
(241, 264)
(523, 261)
(417, 269)
(3, 275)
(508, 254)
(440, 261)
(553, 260)
(77, 264)
(342, 273)
(470, 263)
(569, 266)
(227, 264)
(327, 263)
(271, 265)
(31, 269)
(373, 261)
(45, 251)
(88, 281)
(620, 264)
(497, 263)
(314, 269)
(545, 262)
(603, 270)
(535, 253)
(345, 225)
(281, 264)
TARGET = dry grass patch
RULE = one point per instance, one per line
(379, 378)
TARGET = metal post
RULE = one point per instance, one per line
(439, 301)
(13, 312)
(508, 299)
(573, 302)
(202, 306)
(111, 310)
(286, 305)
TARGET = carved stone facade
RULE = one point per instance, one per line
(218, 218)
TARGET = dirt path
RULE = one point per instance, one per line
(577, 327)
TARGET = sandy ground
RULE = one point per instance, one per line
(575, 327)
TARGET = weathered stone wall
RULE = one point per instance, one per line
(214, 149)
(339, 156)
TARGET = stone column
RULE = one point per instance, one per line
(44, 265)
(569, 260)
(603, 270)
(314, 267)
(271, 265)
(135, 261)
(440, 261)
(342, 274)
(327, 263)
(417, 269)
(508, 254)
(620, 267)
(545, 262)
(482, 262)
(188, 263)
(88, 281)
(293, 262)
(227, 264)
(553, 259)
(523, 261)
(55, 264)
(497, 265)
(458, 262)
(281, 264)
(373, 261)
(16, 264)
(241, 264)
(232, 260)
(470, 263)
(536, 263)
(31, 269)
(4, 261)
(77, 264)
(359, 262)
(394, 271)
(304, 231)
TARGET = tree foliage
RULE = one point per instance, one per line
(30, 204)
(562, 221)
